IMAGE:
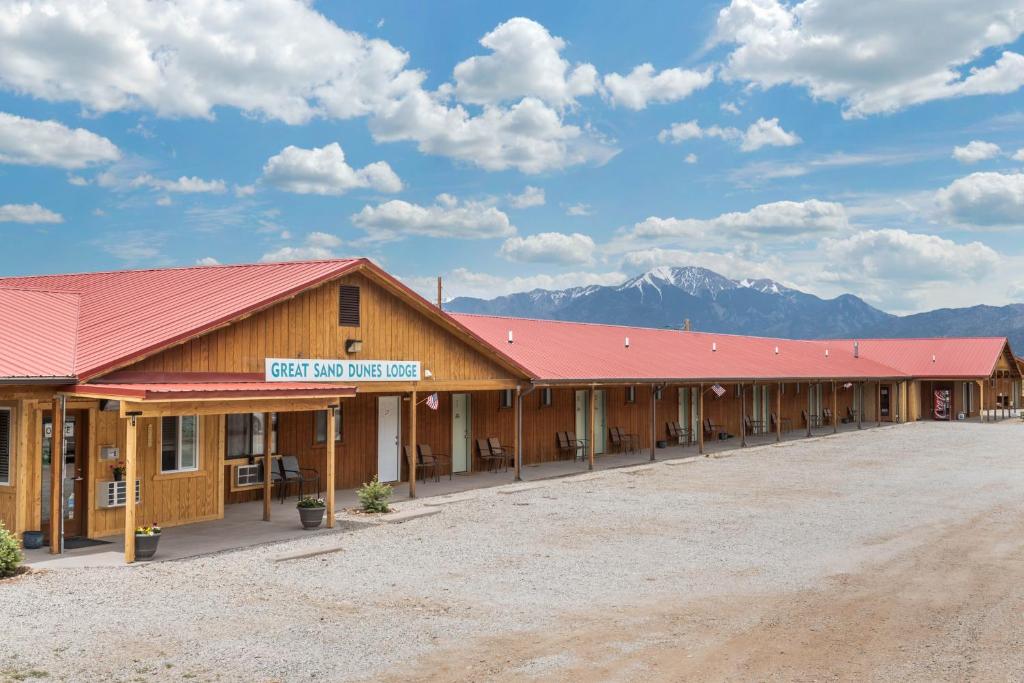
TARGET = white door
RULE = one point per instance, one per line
(461, 448)
(389, 423)
(600, 424)
(582, 414)
(684, 407)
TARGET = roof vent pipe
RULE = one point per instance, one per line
(627, 342)
(826, 353)
(933, 357)
(510, 339)
(776, 350)
(856, 349)
(714, 346)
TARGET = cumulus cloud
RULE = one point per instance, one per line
(644, 85)
(30, 142)
(761, 133)
(525, 61)
(529, 197)
(1018, 155)
(315, 245)
(181, 185)
(786, 219)
(207, 261)
(580, 209)
(324, 171)
(28, 213)
(876, 56)
(550, 247)
(975, 151)
(464, 282)
(897, 255)
(690, 158)
(984, 199)
(448, 217)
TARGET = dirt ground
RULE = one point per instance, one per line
(951, 609)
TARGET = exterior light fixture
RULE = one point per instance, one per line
(428, 374)
(353, 345)
(133, 416)
(334, 408)
(776, 350)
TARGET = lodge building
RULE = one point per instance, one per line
(198, 380)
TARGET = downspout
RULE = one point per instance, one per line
(519, 433)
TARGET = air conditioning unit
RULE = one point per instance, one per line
(248, 475)
(113, 494)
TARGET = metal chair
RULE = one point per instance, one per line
(290, 472)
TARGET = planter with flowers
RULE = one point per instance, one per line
(118, 471)
(147, 538)
(311, 511)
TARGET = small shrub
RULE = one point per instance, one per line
(310, 502)
(151, 530)
(374, 496)
(10, 553)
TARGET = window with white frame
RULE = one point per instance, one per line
(179, 444)
(5, 446)
(506, 398)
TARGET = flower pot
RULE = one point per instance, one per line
(118, 476)
(145, 546)
(32, 540)
(311, 518)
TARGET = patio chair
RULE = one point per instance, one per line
(711, 428)
(851, 413)
(677, 433)
(504, 456)
(827, 417)
(424, 466)
(629, 440)
(581, 445)
(566, 442)
(811, 421)
(488, 458)
(291, 473)
(440, 460)
(753, 427)
(786, 424)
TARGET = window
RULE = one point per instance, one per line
(180, 444)
(348, 306)
(245, 435)
(5, 446)
(320, 425)
(631, 394)
(545, 397)
(506, 398)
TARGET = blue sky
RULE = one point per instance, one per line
(874, 149)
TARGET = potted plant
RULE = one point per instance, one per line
(147, 538)
(311, 511)
(117, 471)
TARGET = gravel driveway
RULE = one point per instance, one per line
(449, 594)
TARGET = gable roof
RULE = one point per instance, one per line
(936, 357)
(557, 351)
(37, 334)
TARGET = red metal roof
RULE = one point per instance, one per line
(37, 334)
(126, 314)
(939, 357)
(565, 351)
(176, 391)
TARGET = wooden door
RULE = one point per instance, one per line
(461, 445)
(388, 433)
(600, 422)
(885, 401)
(76, 463)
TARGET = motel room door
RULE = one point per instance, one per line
(389, 425)
(461, 448)
(75, 463)
(885, 399)
(600, 423)
(583, 418)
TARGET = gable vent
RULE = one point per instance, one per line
(348, 306)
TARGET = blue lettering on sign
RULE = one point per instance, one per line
(284, 370)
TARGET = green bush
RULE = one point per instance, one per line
(374, 496)
(10, 553)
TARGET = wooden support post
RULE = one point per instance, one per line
(517, 434)
(332, 418)
(592, 428)
(131, 473)
(654, 422)
(981, 401)
(743, 416)
(778, 413)
(700, 420)
(808, 409)
(858, 396)
(57, 477)
(412, 443)
(268, 460)
(878, 404)
(835, 409)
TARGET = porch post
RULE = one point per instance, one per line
(517, 434)
(700, 421)
(981, 400)
(413, 458)
(859, 396)
(778, 413)
(808, 409)
(592, 428)
(743, 416)
(654, 422)
(57, 477)
(131, 473)
(332, 418)
(835, 409)
(267, 461)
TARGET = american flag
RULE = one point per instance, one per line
(718, 389)
(847, 385)
(432, 401)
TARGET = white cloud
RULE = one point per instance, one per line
(315, 245)
(529, 197)
(323, 170)
(182, 185)
(164, 201)
(1019, 155)
(77, 180)
(28, 213)
(975, 151)
(729, 107)
(464, 282)
(30, 142)
(785, 219)
(550, 247)
(245, 190)
(525, 61)
(746, 261)
(985, 199)
(901, 256)
(762, 133)
(690, 158)
(876, 56)
(643, 85)
(207, 261)
(447, 218)
(580, 209)
(135, 247)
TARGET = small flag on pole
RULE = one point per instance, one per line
(847, 385)
(718, 389)
(432, 402)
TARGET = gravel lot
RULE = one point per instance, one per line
(591, 571)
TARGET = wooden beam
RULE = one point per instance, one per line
(778, 412)
(743, 415)
(413, 457)
(859, 399)
(22, 468)
(592, 428)
(57, 477)
(878, 403)
(178, 408)
(131, 467)
(808, 409)
(332, 418)
(700, 420)
(981, 400)
(835, 409)
(268, 461)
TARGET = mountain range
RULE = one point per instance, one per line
(665, 296)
